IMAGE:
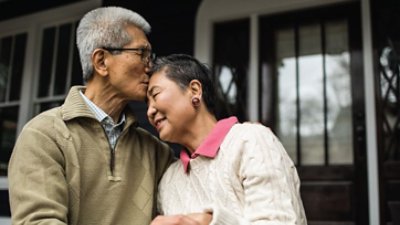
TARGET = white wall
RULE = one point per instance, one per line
(5, 221)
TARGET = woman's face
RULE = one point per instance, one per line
(169, 107)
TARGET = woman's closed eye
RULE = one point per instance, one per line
(153, 92)
(154, 95)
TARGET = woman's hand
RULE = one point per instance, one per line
(189, 219)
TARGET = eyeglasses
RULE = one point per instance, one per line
(146, 54)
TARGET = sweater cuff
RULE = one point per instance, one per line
(221, 216)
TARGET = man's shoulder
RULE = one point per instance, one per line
(45, 118)
(49, 123)
(149, 138)
(146, 134)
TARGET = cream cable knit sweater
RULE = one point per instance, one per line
(252, 180)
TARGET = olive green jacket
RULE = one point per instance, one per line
(59, 171)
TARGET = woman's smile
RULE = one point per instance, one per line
(158, 123)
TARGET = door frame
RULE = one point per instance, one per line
(357, 172)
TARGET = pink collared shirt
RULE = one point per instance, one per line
(210, 146)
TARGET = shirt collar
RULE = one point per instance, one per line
(100, 115)
(210, 146)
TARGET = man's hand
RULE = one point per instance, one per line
(189, 219)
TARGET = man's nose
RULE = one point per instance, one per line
(147, 69)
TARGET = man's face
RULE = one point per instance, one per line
(128, 69)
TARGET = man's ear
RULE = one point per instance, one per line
(99, 61)
(196, 88)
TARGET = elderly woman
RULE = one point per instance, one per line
(238, 172)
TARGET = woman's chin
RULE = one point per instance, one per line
(166, 138)
(163, 136)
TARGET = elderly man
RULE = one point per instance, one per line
(86, 162)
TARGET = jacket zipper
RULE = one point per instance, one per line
(112, 151)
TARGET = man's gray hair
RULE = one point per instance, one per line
(105, 27)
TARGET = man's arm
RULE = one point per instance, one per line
(164, 158)
(37, 185)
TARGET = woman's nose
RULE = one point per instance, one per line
(151, 112)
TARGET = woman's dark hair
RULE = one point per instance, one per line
(182, 69)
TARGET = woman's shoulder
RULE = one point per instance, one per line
(249, 130)
(244, 136)
(174, 170)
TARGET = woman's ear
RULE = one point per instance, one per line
(99, 61)
(196, 88)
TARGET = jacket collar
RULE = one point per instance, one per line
(75, 106)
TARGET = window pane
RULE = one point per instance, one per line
(339, 118)
(286, 124)
(17, 66)
(76, 76)
(46, 62)
(227, 84)
(40, 107)
(8, 130)
(389, 78)
(63, 49)
(5, 55)
(231, 59)
(311, 95)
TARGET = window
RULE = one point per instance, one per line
(389, 91)
(231, 62)
(38, 64)
(12, 52)
(59, 66)
(313, 105)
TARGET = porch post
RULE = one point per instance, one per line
(253, 92)
(372, 145)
